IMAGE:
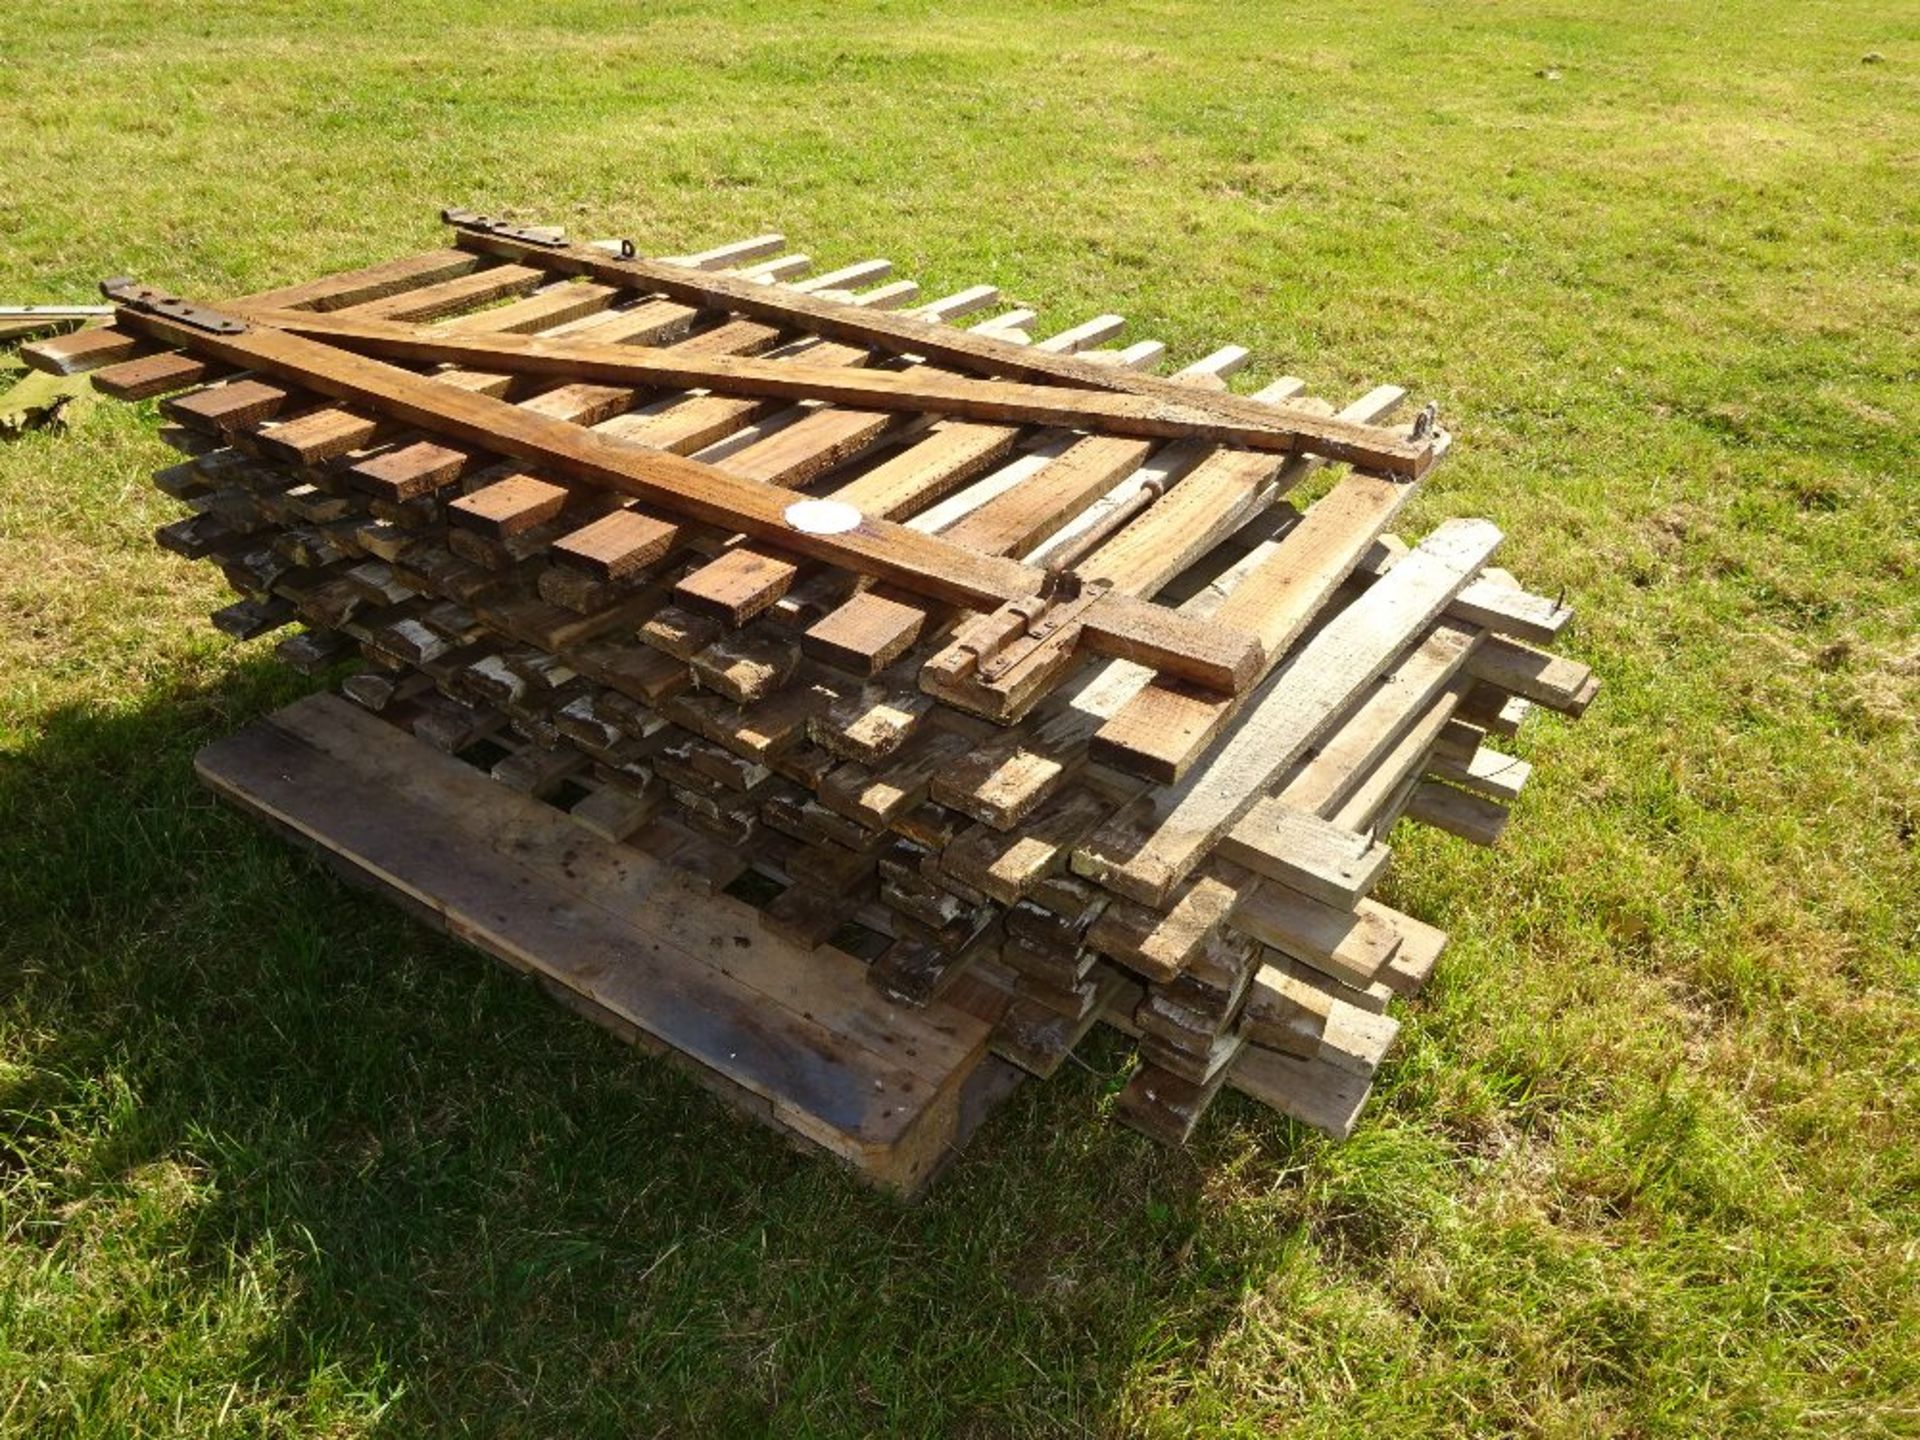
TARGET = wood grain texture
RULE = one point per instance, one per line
(830, 1058)
(918, 389)
(1164, 730)
(1363, 446)
(1150, 847)
(1208, 655)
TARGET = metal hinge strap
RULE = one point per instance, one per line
(132, 295)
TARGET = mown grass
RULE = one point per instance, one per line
(274, 1161)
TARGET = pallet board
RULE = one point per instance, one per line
(982, 664)
(797, 1037)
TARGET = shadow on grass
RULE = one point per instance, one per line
(411, 1178)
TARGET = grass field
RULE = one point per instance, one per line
(274, 1161)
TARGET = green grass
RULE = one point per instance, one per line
(274, 1161)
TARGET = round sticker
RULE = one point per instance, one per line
(822, 517)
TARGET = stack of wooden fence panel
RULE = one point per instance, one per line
(963, 646)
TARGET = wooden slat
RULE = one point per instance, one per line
(1351, 945)
(373, 282)
(1322, 783)
(104, 345)
(330, 431)
(146, 376)
(1485, 772)
(83, 350)
(1371, 803)
(1304, 852)
(1163, 730)
(1550, 680)
(828, 1057)
(568, 310)
(749, 580)
(627, 541)
(1510, 611)
(482, 287)
(918, 389)
(1204, 495)
(1207, 655)
(152, 375)
(746, 580)
(1364, 446)
(1016, 520)
(1148, 849)
(229, 407)
(1035, 494)
(509, 506)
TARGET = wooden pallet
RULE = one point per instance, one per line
(796, 1039)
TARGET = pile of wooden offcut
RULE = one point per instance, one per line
(967, 648)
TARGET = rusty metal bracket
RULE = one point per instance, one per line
(548, 235)
(1047, 615)
(130, 294)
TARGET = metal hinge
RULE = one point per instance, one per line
(552, 236)
(130, 294)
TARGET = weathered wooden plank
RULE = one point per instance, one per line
(1363, 446)
(1300, 850)
(927, 470)
(1162, 731)
(85, 350)
(1322, 783)
(463, 292)
(1038, 1038)
(1151, 846)
(918, 389)
(102, 345)
(146, 376)
(1550, 680)
(887, 551)
(1508, 610)
(1160, 942)
(1165, 1106)
(1351, 945)
(222, 409)
(867, 633)
(695, 972)
(1284, 1012)
(1369, 804)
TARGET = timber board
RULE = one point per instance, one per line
(798, 1039)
